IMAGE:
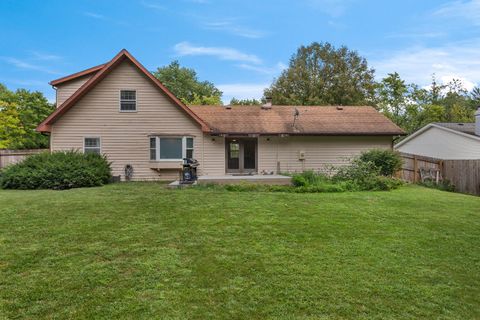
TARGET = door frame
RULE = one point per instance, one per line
(241, 169)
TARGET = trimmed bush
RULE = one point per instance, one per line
(57, 170)
(387, 161)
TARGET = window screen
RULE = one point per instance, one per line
(91, 145)
(153, 148)
(128, 100)
(189, 148)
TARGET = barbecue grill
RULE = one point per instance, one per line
(189, 171)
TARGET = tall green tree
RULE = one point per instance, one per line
(320, 74)
(412, 107)
(185, 85)
(20, 113)
(393, 96)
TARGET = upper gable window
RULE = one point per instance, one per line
(128, 100)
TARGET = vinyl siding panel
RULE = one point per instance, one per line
(320, 152)
(214, 155)
(125, 135)
(442, 144)
(65, 90)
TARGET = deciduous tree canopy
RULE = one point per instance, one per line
(320, 74)
(20, 113)
(184, 84)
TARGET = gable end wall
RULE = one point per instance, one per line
(125, 135)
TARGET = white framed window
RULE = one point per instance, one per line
(128, 100)
(163, 148)
(188, 147)
(153, 148)
(92, 145)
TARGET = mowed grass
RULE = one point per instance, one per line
(138, 250)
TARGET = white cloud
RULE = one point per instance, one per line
(152, 5)
(230, 25)
(21, 64)
(417, 64)
(44, 56)
(94, 15)
(469, 10)
(187, 49)
(279, 67)
(104, 18)
(417, 35)
(242, 90)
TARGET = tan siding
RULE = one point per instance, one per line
(320, 152)
(214, 155)
(65, 90)
(124, 135)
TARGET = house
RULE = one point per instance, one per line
(446, 141)
(121, 110)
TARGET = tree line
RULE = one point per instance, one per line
(317, 74)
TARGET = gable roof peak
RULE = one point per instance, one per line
(45, 125)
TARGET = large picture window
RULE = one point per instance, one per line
(171, 148)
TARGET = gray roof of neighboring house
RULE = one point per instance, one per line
(462, 127)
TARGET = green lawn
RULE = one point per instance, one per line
(139, 250)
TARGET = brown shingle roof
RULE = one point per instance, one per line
(77, 75)
(312, 120)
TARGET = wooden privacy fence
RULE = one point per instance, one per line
(13, 156)
(463, 174)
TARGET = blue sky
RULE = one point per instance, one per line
(238, 45)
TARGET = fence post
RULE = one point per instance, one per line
(415, 168)
(441, 169)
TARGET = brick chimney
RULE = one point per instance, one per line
(477, 121)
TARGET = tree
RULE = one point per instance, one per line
(393, 94)
(12, 133)
(184, 84)
(245, 102)
(412, 107)
(320, 74)
(20, 113)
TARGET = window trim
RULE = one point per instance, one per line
(157, 147)
(93, 137)
(120, 100)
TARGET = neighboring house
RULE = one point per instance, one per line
(446, 141)
(121, 110)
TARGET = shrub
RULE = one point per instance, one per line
(387, 161)
(358, 170)
(57, 170)
(308, 178)
(444, 185)
(363, 175)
